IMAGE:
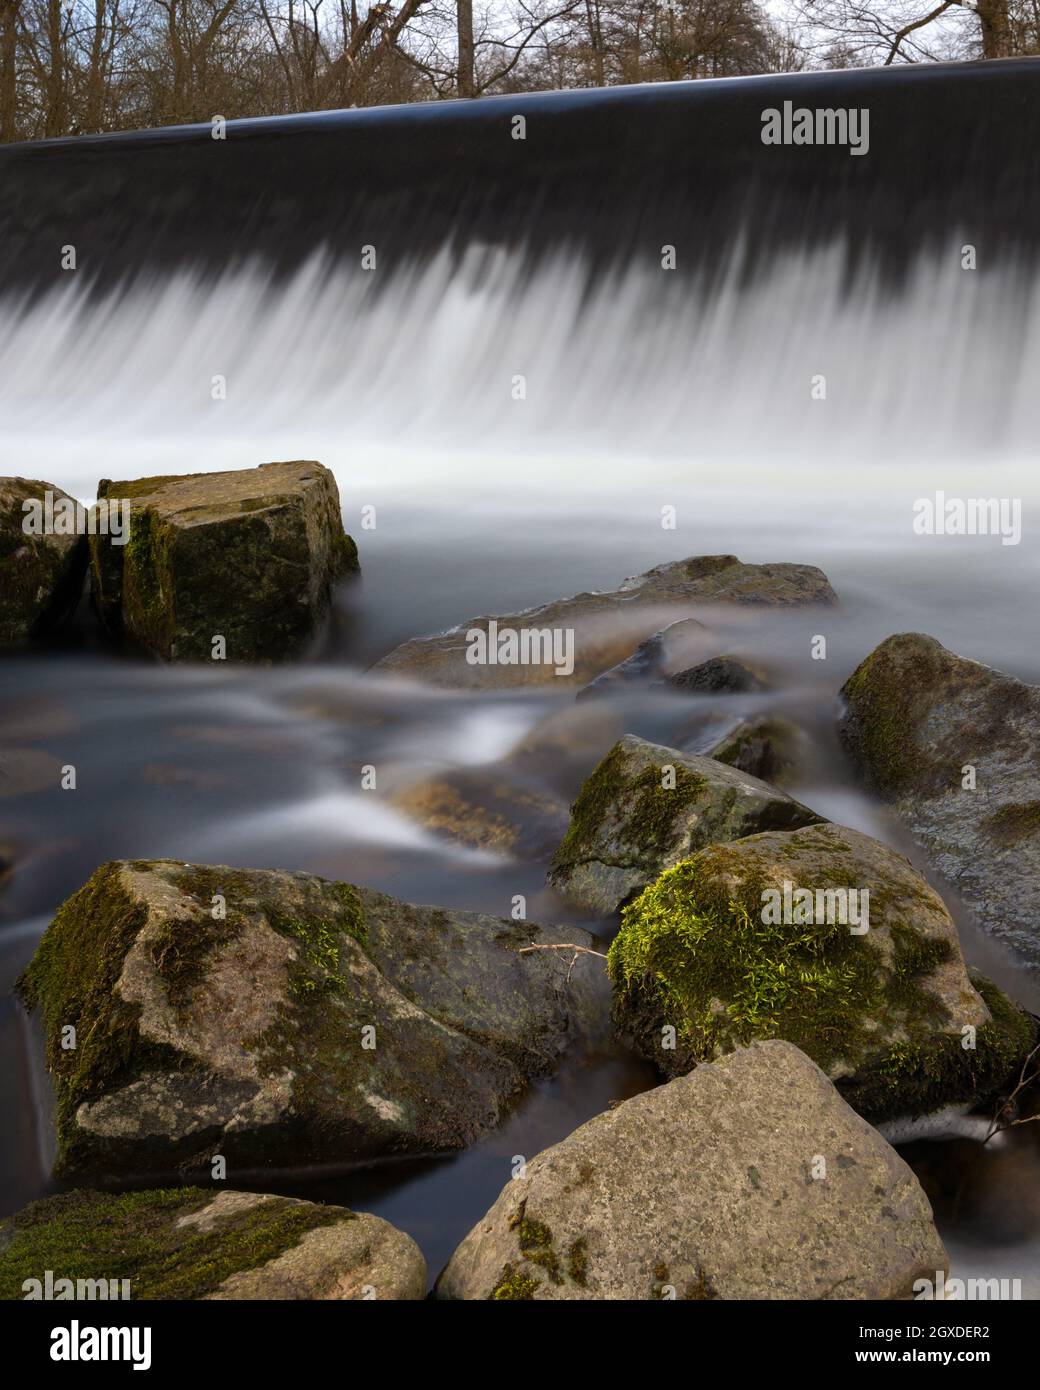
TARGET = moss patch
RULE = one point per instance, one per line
(514, 1284)
(133, 1235)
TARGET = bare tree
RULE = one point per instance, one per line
(9, 70)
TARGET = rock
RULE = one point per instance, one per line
(605, 625)
(41, 576)
(187, 1243)
(917, 716)
(627, 825)
(250, 1035)
(768, 748)
(874, 989)
(711, 1187)
(489, 809)
(721, 673)
(249, 556)
(657, 656)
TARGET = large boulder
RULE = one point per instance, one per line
(249, 556)
(41, 573)
(748, 1179)
(604, 625)
(188, 1243)
(917, 718)
(829, 939)
(277, 1017)
(646, 807)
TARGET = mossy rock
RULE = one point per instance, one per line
(952, 745)
(41, 577)
(646, 807)
(307, 1021)
(188, 1243)
(721, 951)
(248, 555)
(609, 623)
(749, 1178)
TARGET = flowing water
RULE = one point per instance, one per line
(641, 391)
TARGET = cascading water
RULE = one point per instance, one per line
(518, 386)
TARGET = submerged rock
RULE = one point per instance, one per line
(604, 625)
(763, 938)
(41, 576)
(311, 1022)
(920, 723)
(487, 808)
(634, 817)
(750, 1178)
(249, 556)
(188, 1243)
(657, 656)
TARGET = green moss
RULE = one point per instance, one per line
(346, 556)
(917, 1077)
(135, 1236)
(148, 593)
(654, 812)
(578, 1261)
(320, 938)
(723, 978)
(514, 1284)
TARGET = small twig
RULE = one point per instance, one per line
(1023, 1081)
(566, 946)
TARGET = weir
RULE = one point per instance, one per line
(611, 174)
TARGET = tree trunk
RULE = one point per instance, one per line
(467, 80)
(996, 31)
(56, 118)
(8, 71)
